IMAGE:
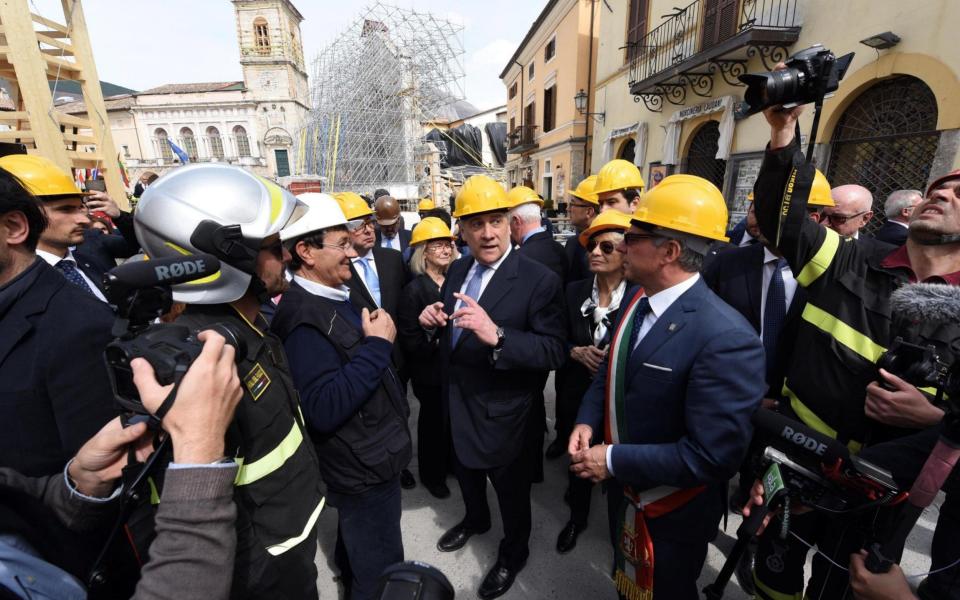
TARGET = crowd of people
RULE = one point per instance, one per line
(665, 331)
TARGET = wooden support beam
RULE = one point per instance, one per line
(16, 135)
(66, 119)
(51, 24)
(67, 48)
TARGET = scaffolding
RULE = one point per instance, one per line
(373, 90)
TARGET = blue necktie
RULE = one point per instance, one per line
(70, 271)
(643, 309)
(774, 311)
(370, 276)
(473, 290)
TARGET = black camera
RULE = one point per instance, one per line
(141, 291)
(918, 365)
(810, 75)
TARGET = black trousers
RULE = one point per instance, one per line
(580, 491)
(433, 435)
(512, 484)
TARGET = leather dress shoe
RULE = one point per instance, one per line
(407, 481)
(456, 538)
(497, 581)
(567, 540)
(556, 449)
(438, 490)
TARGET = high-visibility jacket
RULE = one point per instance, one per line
(846, 324)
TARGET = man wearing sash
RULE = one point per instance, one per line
(675, 395)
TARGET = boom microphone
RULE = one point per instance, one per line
(814, 444)
(133, 275)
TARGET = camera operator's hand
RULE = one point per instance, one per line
(782, 122)
(756, 499)
(204, 406)
(902, 406)
(891, 585)
(99, 462)
(102, 202)
(378, 324)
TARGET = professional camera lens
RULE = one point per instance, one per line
(773, 87)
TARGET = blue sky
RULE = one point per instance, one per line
(146, 43)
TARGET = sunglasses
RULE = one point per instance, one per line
(607, 247)
(631, 239)
(838, 219)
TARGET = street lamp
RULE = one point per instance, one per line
(580, 101)
(882, 41)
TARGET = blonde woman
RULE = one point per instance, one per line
(433, 252)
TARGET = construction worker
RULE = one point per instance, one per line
(237, 217)
(425, 206)
(582, 210)
(501, 329)
(846, 325)
(687, 374)
(351, 397)
(390, 230)
(618, 186)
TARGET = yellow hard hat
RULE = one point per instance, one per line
(428, 229)
(618, 174)
(353, 206)
(480, 194)
(820, 191)
(585, 191)
(41, 176)
(750, 197)
(426, 204)
(523, 195)
(610, 220)
(685, 203)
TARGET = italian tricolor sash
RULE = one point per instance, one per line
(633, 552)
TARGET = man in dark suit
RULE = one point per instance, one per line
(390, 231)
(687, 375)
(898, 208)
(101, 250)
(582, 209)
(54, 391)
(501, 327)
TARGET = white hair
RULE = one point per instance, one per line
(528, 213)
(899, 200)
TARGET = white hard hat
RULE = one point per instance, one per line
(323, 212)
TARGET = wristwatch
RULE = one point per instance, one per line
(501, 336)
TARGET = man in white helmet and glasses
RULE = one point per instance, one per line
(237, 216)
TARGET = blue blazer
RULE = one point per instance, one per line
(692, 385)
(488, 402)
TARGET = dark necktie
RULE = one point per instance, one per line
(473, 290)
(70, 271)
(774, 311)
(643, 309)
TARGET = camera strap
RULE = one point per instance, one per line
(167, 403)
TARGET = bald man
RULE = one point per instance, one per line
(852, 211)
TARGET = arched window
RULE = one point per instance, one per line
(261, 35)
(702, 158)
(243, 142)
(886, 140)
(163, 148)
(628, 150)
(214, 142)
(189, 142)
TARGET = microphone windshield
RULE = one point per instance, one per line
(160, 271)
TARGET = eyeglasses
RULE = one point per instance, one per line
(580, 205)
(838, 219)
(364, 224)
(439, 247)
(607, 247)
(344, 247)
(631, 239)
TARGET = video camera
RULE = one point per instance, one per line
(810, 75)
(141, 291)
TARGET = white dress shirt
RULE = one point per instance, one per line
(337, 294)
(659, 303)
(373, 265)
(789, 284)
(485, 279)
(393, 243)
(53, 259)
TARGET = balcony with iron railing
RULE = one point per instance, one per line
(708, 38)
(522, 139)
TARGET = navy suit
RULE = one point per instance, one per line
(542, 248)
(489, 403)
(100, 251)
(404, 236)
(892, 233)
(54, 391)
(736, 276)
(391, 271)
(693, 383)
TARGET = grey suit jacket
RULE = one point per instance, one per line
(192, 555)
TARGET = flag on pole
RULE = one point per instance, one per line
(179, 152)
(123, 171)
